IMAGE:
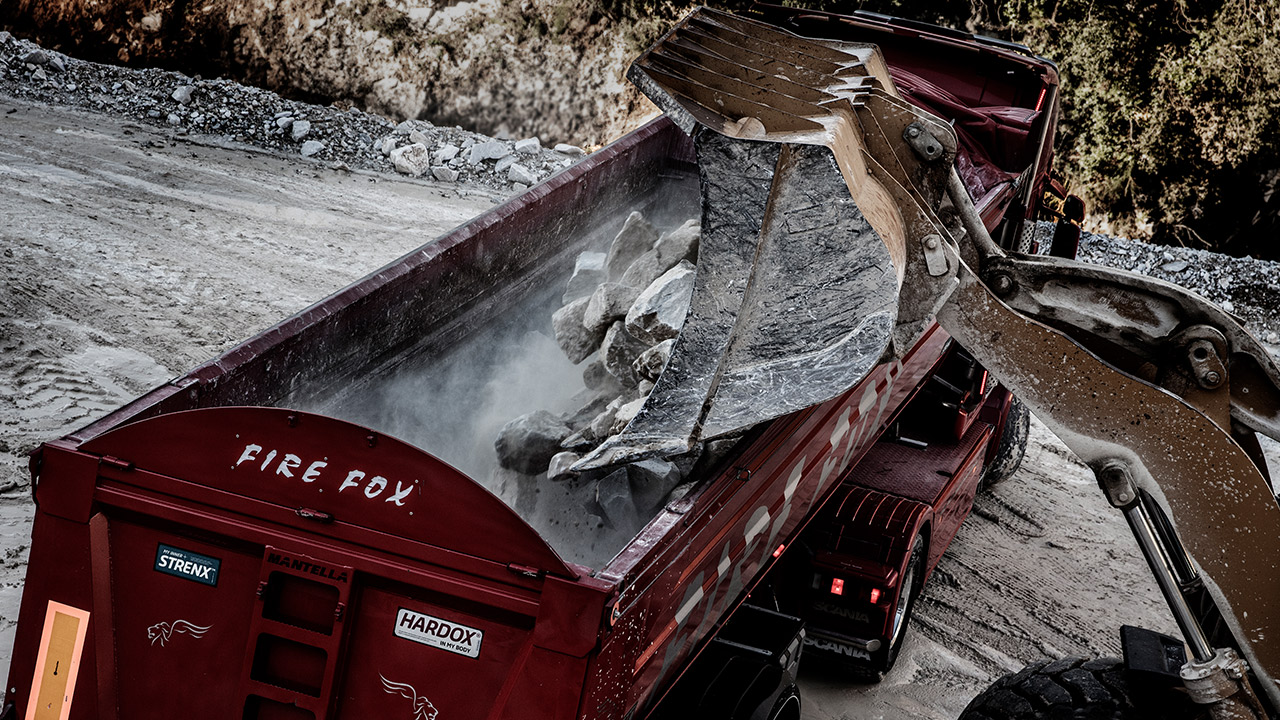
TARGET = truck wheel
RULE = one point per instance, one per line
(787, 706)
(1012, 447)
(1078, 688)
(912, 581)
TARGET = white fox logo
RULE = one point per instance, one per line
(164, 631)
(422, 707)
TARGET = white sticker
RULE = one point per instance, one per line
(438, 633)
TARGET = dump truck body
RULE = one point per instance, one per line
(211, 550)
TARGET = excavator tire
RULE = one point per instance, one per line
(1079, 689)
(1012, 447)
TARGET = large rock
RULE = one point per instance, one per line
(580, 442)
(602, 425)
(714, 451)
(412, 159)
(680, 244)
(528, 443)
(590, 404)
(516, 489)
(588, 273)
(489, 150)
(518, 173)
(577, 341)
(619, 352)
(626, 413)
(446, 153)
(613, 493)
(659, 312)
(596, 377)
(608, 303)
(644, 270)
(636, 238)
(558, 469)
(651, 482)
(653, 361)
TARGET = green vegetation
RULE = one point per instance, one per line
(1169, 117)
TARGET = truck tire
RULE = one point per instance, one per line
(1079, 689)
(913, 581)
(1012, 447)
(787, 706)
(882, 661)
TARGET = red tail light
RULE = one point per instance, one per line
(875, 595)
(837, 586)
(778, 552)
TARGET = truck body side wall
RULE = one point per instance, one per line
(696, 561)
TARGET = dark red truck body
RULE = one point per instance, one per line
(202, 553)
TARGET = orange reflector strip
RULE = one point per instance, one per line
(837, 586)
(58, 662)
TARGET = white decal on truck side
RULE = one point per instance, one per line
(376, 487)
(438, 633)
(164, 631)
(713, 595)
(422, 707)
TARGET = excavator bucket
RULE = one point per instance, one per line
(811, 168)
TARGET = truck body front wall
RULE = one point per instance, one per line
(264, 611)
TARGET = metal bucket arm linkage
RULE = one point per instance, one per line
(821, 190)
(1154, 388)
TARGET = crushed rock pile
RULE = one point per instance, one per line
(1246, 287)
(229, 112)
(622, 312)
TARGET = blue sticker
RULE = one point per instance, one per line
(188, 565)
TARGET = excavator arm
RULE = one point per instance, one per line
(835, 229)
(1157, 391)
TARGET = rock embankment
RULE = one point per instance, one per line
(505, 67)
(223, 111)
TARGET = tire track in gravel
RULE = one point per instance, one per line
(127, 257)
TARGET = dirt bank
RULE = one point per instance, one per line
(507, 68)
(130, 255)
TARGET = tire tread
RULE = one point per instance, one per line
(1075, 689)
